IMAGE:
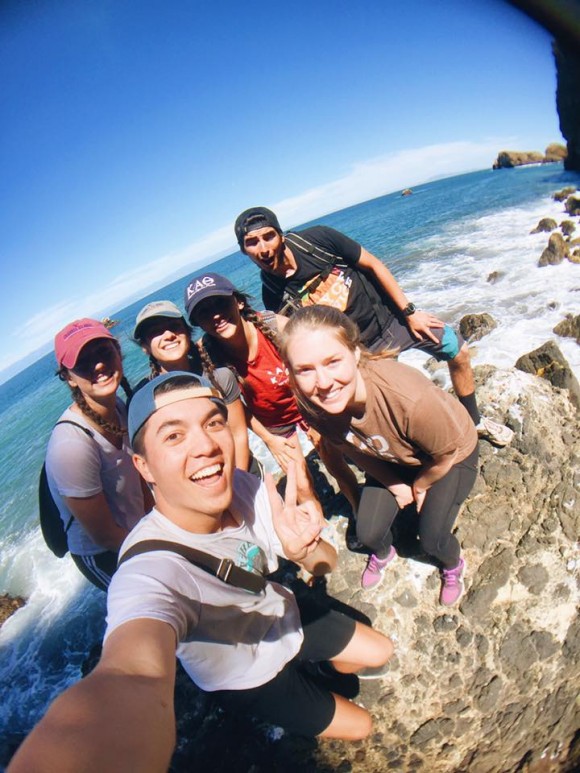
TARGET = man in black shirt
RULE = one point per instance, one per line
(321, 265)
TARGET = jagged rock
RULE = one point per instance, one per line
(548, 362)
(485, 685)
(555, 152)
(567, 227)
(495, 276)
(546, 224)
(506, 159)
(9, 605)
(572, 205)
(569, 327)
(564, 193)
(555, 252)
(474, 326)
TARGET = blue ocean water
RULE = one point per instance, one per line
(441, 243)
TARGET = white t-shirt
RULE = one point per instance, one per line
(229, 638)
(81, 466)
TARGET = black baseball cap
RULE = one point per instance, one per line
(252, 219)
(205, 286)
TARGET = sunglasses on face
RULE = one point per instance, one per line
(164, 325)
(103, 352)
(207, 309)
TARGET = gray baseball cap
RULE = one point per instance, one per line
(156, 309)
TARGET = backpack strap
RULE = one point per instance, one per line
(301, 243)
(88, 432)
(292, 303)
(222, 568)
(293, 299)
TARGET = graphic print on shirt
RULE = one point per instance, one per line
(333, 291)
(278, 376)
(376, 445)
(252, 558)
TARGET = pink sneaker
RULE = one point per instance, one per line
(452, 584)
(374, 569)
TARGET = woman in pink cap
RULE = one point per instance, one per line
(89, 465)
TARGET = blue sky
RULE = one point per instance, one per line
(134, 131)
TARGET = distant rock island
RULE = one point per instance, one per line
(507, 159)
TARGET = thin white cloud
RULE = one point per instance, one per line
(366, 180)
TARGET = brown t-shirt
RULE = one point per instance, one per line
(408, 420)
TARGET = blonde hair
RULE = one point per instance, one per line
(338, 324)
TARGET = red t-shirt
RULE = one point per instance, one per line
(265, 386)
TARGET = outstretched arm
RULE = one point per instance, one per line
(298, 527)
(120, 717)
(420, 321)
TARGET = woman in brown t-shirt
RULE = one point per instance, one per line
(416, 441)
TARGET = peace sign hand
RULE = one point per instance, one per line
(298, 526)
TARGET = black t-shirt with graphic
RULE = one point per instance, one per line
(346, 287)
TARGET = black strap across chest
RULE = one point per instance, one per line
(222, 568)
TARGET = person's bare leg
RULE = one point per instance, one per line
(367, 648)
(350, 722)
(461, 373)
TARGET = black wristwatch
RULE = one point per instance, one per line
(409, 309)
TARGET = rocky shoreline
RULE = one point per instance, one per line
(507, 159)
(492, 685)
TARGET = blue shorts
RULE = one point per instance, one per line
(398, 336)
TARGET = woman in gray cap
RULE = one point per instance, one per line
(165, 336)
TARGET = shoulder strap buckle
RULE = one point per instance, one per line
(224, 569)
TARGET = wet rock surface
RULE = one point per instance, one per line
(555, 252)
(569, 327)
(474, 326)
(9, 605)
(546, 224)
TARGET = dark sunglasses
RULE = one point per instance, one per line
(105, 351)
(160, 325)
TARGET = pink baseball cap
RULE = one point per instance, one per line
(70, 340)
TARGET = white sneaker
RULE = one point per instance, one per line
(379, 672)
(497, 434)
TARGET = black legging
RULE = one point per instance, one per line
(98, 568)
(378, 508)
